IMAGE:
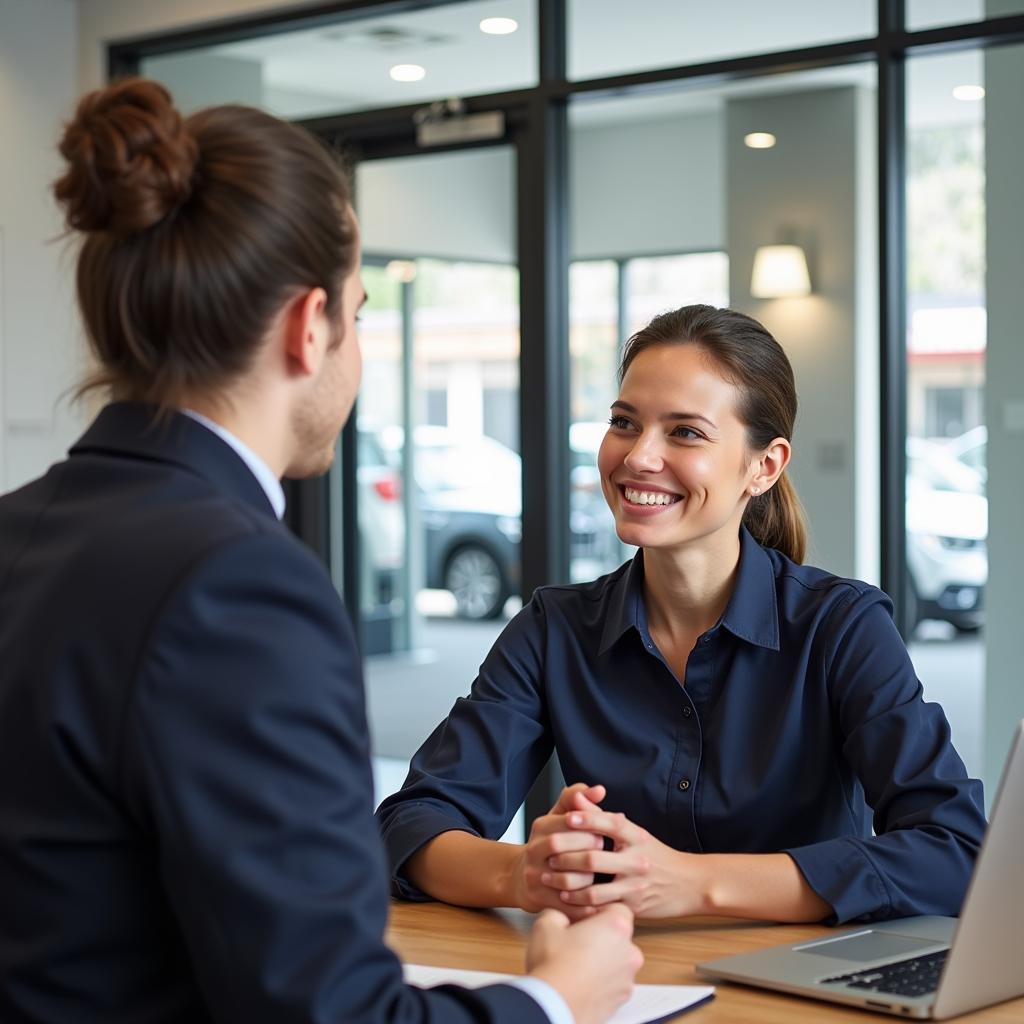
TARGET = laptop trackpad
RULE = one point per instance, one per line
(870, 945)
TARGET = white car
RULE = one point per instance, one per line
(947, 527)
(970, 448)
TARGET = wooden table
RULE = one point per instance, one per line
(495, 940)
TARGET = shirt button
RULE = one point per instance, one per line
(705, 639)
(684, 784)
(687, 711)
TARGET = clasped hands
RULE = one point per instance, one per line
(566, 850)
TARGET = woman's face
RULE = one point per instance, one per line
(675, 466)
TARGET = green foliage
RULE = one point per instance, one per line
(946, 210)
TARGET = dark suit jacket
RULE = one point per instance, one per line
(186, 826)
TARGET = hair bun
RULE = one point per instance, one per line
(131, 160)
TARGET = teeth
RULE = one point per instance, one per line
(649, 497)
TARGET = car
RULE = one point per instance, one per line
(471, 515)
(469, 491)
(381, 535)
(971, 448)
(947, 527)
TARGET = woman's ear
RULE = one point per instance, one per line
(768, 465)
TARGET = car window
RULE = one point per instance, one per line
(479, 462)
(942, 473)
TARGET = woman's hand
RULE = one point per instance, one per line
(652, 879)
(550, 837)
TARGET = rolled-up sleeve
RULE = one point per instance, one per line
(928, 815)
(475, 769)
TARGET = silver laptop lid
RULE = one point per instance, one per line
(986, 962)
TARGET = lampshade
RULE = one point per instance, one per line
(779, 271)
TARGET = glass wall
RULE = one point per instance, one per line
(933, 13)
(438, 420)
(608, 37)
(961, 324)
(947, 508)
(453, 50)
(701, 200)
(672, 194)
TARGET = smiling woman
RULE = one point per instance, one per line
(708, 362)
(744, 734)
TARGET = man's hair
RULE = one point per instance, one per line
(196, 232)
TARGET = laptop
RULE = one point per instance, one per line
(923, 967)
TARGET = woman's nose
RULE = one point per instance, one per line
(645, 455)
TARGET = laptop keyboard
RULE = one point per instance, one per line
(918, 976)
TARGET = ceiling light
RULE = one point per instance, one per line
(499, 26)
(969, 93)
(408, 72)
(759, 140)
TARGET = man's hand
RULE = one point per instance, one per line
(591, 964)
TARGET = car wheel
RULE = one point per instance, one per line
(475, 579)
(962, 626)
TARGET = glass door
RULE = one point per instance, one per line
(439, 470)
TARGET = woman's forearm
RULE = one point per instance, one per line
(460, 868)
(764, 886)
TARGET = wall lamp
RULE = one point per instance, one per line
(780, 271)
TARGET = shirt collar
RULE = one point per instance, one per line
(752, 613)
(263, 473)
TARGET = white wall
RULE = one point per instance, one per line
(105, 21)
(38, 337)
(654, 186)
(809, 189)
(636, 188)
(445, 205)
(198, 80)
(50, 52)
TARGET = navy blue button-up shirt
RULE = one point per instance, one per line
(799, 727)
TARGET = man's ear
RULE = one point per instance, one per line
(307, 332)
(768, 466)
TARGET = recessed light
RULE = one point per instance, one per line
(408, 72)
(759, 140)
(401, 270)
(499, 26)
(969, 93)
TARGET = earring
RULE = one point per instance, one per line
(755, 490)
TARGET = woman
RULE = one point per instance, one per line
(731, 718)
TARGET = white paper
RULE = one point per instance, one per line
(648, 1003)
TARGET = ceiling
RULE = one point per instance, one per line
(341, 68)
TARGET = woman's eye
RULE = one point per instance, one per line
(686, 433)
(619, 421)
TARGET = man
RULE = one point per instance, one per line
(186, 830)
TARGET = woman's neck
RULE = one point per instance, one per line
(687, 589)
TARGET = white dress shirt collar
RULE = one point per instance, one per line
(259, 469)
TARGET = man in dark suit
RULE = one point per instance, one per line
(186, 830)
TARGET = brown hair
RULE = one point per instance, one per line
(197, 231)
(750, 358)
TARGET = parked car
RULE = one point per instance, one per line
(470, 512)
(947, 526)
(380, 522)
(470, 507)
(971, 449)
